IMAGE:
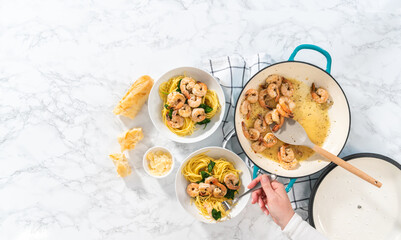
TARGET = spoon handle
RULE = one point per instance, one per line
(347, 166)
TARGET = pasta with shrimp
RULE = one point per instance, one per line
(186, 107)
(202, 168)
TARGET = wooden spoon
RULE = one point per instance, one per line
(293, 133)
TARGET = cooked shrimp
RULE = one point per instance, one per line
(251, 133)
(208, 208)
(209, 180)
(194, 101)
(175, 100)
(260, 124)
(185, 111)
(220, 190)
(273, 91)
(232, 182)
(274, 78)
(269, 117)
(258, 146)
(186, 86)
(264, 98)
(283, 113)
(276, 116)
(286, 88)
(246, 108)
(193, 189)
(198, 115)
(205, 189)
(286, 154)
(320, 95)
(289, 165)
(200, 89)
(280, 122)
(175, 121)
(251, 95)
(270, 140)
(287, 104)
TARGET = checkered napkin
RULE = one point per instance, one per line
(232, 73)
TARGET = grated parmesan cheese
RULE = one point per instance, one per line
(159, 162)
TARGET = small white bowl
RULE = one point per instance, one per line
(145, 161)
(155, 105)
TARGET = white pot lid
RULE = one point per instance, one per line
(342, 206)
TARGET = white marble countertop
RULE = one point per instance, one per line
(65, 64)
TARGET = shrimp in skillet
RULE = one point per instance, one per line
(252, 95)
(251, 133)
(319, 95)
(246, 108)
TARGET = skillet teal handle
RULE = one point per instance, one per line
(290, 184)
(287, 189)
(316, 48)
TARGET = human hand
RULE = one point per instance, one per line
(273, 195)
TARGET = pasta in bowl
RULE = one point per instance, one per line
(208, 177)
(186, 104)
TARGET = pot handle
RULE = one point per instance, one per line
(289, 185)
(312, 47)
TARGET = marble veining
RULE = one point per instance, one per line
(65, 64)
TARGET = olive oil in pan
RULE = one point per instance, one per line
(311, 115)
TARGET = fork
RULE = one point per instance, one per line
(228, 206)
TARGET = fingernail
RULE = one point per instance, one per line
(264, 179)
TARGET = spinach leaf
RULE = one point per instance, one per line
(230, 193)
(179, 86)
(210, 166)
(206, 121)
(170, 113)
(216, 214)
(204, 175)
(207, 108)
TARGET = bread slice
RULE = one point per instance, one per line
(121, 163)
(130, 139)
(134, 99)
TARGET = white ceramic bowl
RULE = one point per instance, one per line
(154, 149)
(155, 105)
(215, 152)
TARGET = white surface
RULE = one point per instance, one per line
(338, 113)
(215, 152)
(360, 210)
(146, 163)
(64, 65)
(155, 105)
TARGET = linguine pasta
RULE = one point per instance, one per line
(189, 125)
(192, 173)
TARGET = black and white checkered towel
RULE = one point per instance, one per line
(233, 72)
